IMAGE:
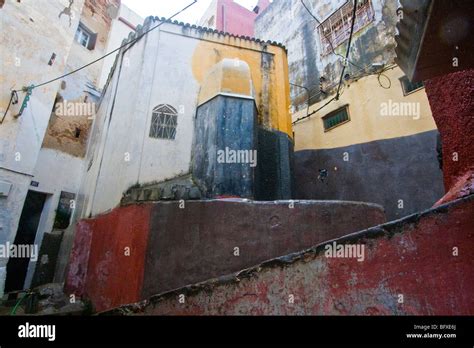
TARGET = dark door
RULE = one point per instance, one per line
(26, 234)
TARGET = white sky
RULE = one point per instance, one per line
(166, 8)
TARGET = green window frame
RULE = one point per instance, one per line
(336, 118)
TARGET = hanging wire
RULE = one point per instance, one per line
(13, 100)
(115, 50)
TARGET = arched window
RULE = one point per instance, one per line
(164, 121)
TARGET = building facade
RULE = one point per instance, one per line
(42, 151)
(102, 28)
(200, 119)
(229, 16)
(208, 92)
(371, 139)
(28, 60)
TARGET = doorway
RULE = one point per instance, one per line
(26, 234)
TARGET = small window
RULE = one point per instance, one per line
(410, 87)
(85, 37)
(336, 118)
(164, 122)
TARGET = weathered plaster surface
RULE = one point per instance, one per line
(173, 245)
(410, 268)
(56, 172)
(25, 60)
(358, 167)
(374, 43)
(96, 17)
(121, 153)
(118, 31)
(401, 174)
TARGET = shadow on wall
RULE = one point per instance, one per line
(402, 174)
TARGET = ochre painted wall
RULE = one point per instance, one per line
(366, 124)
(230, 76)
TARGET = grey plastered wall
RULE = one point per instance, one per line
(275, 166)
(186, 246)
(385, 172)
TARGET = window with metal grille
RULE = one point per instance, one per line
(336, 118)
(410, 87)
(164, 122)
(336, 29)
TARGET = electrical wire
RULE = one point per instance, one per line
(115, 50)
(332, 86)
(315, 111)
(354, 13)
(381, 73)
(308, 95)
(13, 95)
(346, 59)
(356, 77)
(326, 37)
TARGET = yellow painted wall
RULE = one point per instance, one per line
(214, 48)
(366, 123)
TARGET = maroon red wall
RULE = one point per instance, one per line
(173, 247)
(452, 105)
(194, 244)
(100, 267)
(414, 258)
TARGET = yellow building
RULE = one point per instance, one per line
(376, 143)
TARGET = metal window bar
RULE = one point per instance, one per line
(337, 27)
(163, 124)
(335, 119)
